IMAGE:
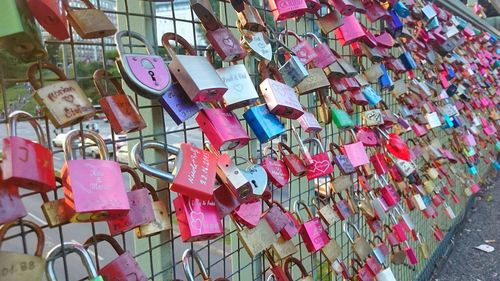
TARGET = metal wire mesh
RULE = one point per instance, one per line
(160, 256)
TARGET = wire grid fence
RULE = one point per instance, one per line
(160, 256)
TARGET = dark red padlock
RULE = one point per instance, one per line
(276, 216)
(341, 207)
(293, 162)
(373, 265)
(124, 267)
(225, 200)
(26, 163)
(379, 163)
(225, 44)
(276, 170)
(292, 228)
(390, 236)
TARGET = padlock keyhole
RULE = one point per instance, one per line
(152, 74)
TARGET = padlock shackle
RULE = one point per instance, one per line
(266, 69)
(86, 134)
(296, 205)
(345, 228)
(165, 39)
(135, 177)
(29, 224)
(65, 249)
(95, 239)
(315, 141)
(132, 34)
(282, 147)
(205, 14)
(287, 265)
(32, 69)
(375, 238)
(139, 163)
(190, 253)
(152, 191)
(12, 125)
(99, 76)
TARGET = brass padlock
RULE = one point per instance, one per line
(250, 19)
(19, 266)
(360, 246)
(331, 251)
(56, 212)
(64, 101)
(315, 81)
(89, 23)
(398, 256)
(257, 239)
(325, 210)
(422, 245)
(283, 248)
(161, 220)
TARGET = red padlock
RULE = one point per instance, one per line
(124, 267)
(293, 162)
(26, 163)
(11, 205)
(389, 193)
(276, 169)
(50, 16)
(321, 165)
(312, 231)
(248, 214)
(275, 216)
(141, 207)
(379, 163)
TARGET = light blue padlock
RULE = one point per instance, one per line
(448, 123)
(265, 125)
(401, 9)
(427, 200)
(496, 165)
(385, 80)
(497, 146)
(371, 95)
(473, 170)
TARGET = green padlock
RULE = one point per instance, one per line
(57, 252)
(18, 33)
(497, 146)
(340, 117)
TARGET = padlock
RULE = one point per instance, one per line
(429, 185)
(51, 17)
(119, 108)
(324, 55)
(257, 44)
(89, 23)
(309, 123)
(355, 151)
(177, 104)
(398, 255)
(343, 163)
(375, 12)
(345, 7)
(293, 162)
(379, 163)
(63, 250)
(325, 211)
(161, 220)
(264, 124)
(388, 192)
(280, 98)
(360, 246)
(141, 209)
(257, 239)
(257, 176)
(283, 248)
(321, 164)
(56, 212)
(379, 250)
(146, 74)
(124, 267)
(351, 31)
(367, 136)
(19, 35)
(276, 169)
(186, 265)
(197, 183)
(27, 164)
(398, 229)
(64, 101)
(315, 81)
(20, 266)
(303, 50)
(198, 219)
(371, 96)
(83, 177)
(330, 21)
(331, 251)
(342, 207)
(11, 205)
(312, 232)
(276, 216)
(250, 19)
(385, 80)
(361, 272)
(283, 10)
(437, 232)
(422, 245)
(386, 275)
(194, 73)
(225, 200)
(373, 265)
(247, 214)
(341, 118)
(277, 272)
(303, 272)
(394, 24)
(234, 136)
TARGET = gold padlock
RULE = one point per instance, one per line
(324, 112)
(315, 81)
(56, 212)
(64, 101)
(398, 256)
(250, 19)
(161, 220)
(331, 251)
(283, 248)
(325, 210)
(19, 266)
(257, 239)
(360, 246)
(89, 23)
(422, 245)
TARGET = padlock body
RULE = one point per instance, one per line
(281, 99)
(123, 115)
(225, 44)
(83, 178)
(57, 212)
(265, 125)
(124, 267)
(198, 219)
(314, 235)
(11, 206)
(21, 267)
(27, 164)
(141, 212)
(283, 9)
(241, 91)
(178, 105)
(293, 71)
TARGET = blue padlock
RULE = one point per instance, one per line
(265, 125)
(473, 170)
(394, 24)
(496, 165)
(401, 9)
(432, 24)
(427, 200)
(456, 122)
(371, 95)
(448, 123)
(408, 60)
(385, 80)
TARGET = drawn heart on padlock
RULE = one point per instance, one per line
(228, 42)
(257, 177)
(69, 98)
(397, 147)
(260, 46)
(248, 214)
(277, 171)
(367, 136)
(320, 166)
(238, 87)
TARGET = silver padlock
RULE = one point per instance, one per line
(190, 253)
(293, 70)
(146, 74)
(257, 177)
(194, 73)
(386, 275)
(63, 250)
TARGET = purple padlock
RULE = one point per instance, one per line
(178, 105)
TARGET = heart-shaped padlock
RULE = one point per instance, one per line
(257, 177)
(248, 214)
(276, 170)
(259, 44)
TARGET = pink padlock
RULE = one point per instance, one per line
(345, 7)
(398, 230)
(324, 55)
(284, 9)
(410, 254)
(303, 49)
(222, 128)
(389, 193)
(198, 219)
(312, 231)
(280, 98)
(309, 123)
(350, 31)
